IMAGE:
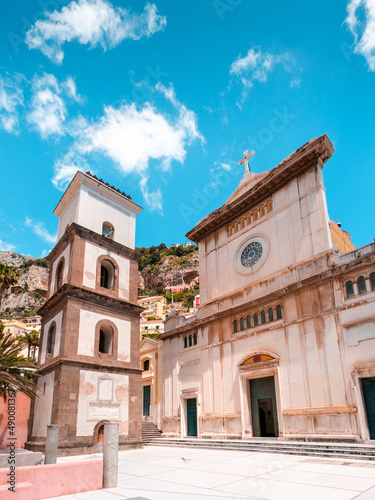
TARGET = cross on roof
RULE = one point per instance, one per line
(245, 159)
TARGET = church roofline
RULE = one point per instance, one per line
(320, 148)
(90, 180)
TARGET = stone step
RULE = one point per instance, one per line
(337, 450)
(149, 432)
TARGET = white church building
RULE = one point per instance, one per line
(283, 343)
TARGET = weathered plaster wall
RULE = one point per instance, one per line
(43, 405)
(102, 397)
(86, 335)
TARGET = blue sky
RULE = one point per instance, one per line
(160, 99)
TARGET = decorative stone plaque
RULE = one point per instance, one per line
(105, 389)
(100, 411)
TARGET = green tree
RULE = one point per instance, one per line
(8, 276)
(31, 339)
(13, 365)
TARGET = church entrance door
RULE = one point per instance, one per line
(368, 389)
(263, 407)
(146, 400)
(191, 412)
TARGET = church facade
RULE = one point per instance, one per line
(283, 343)
(88, 367)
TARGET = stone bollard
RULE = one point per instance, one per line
(110, 454)
(52, 443)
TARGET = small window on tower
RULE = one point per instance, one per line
(105, 340)
(107, 274)
(50, 340)
(108, 230)
(59, 274)
(146, 365)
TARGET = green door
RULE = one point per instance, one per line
(146, 400)
(191, 405)
(368, 388)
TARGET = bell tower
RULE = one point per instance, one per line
(89, 368)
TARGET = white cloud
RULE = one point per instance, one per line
(6, 246)
(39, 229)
(66, 168)
(153, 199)
(91, 22)
(69, 85)
(255, 66)
(133, 137)
(11, 97)
(48, 110)
(361, 22)
(295, 82)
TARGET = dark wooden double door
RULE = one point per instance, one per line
(368, 390)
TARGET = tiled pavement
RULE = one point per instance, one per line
(161, 473)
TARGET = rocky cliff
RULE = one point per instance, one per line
(172, 270)
(29, 293)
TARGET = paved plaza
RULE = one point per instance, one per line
(162, 473)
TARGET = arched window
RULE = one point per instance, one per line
(262, 210)
(235, 326)
(50, 340)
(255, 214)
(105, 340)
(190, 340)
(146, 365)
(269, 206)
(59, 274)
(108, 230)
(248, 218)
(195, 339)
(270, 314)
(248, 321)
(230, 230)
(256, 321)
(361, 285)
(185, 342)
(263, 317)
(236, 226)
(242, 326)
(107, 274)
(372, 281)
(349, 289)
(242, 222)
(278, 312)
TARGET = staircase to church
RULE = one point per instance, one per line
(346, 451)
(149, 432)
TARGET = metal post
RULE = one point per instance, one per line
(52, 443)
(110, 454)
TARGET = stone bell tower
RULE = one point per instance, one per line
(89, 368)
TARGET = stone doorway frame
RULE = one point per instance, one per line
(253, 371)
(366, 370)
(188, 394)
